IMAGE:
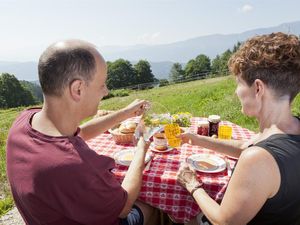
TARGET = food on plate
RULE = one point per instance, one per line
(207, 164)
(127, 157)
(127, 127)
(160, 147)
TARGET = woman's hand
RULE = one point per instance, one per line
(137, 108)
(187, 177)
(187, 138)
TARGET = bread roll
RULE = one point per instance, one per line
(127, 128)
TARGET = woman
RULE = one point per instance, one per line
(264, 188)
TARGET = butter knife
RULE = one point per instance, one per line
(229, 170)
(147, 167)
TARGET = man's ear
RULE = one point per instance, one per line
(259, 86)
(76, 88)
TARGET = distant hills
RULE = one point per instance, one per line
(183, 51)
(22, 70)
(162, 57)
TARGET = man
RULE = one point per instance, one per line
(55, 178)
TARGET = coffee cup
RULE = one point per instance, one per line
(160, 141)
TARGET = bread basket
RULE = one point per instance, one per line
(121, 138)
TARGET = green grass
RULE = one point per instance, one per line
(6, 119)
(201, 98)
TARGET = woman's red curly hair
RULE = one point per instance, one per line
(273, 58)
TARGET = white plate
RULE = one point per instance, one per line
(210, 163)
(124, 157)
(152, 148)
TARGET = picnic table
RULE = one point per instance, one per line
(160, 188)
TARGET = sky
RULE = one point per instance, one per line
(28, 26)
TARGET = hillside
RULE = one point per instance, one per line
(201, 98)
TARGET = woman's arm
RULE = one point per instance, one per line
(232, 148)
(255, 179)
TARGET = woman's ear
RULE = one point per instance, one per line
(259, 86)
(76, 88)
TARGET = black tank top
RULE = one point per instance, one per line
(284, 207)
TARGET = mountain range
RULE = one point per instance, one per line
(161, 57)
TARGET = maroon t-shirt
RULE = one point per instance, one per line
(59, 180)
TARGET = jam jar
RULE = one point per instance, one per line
(214, 121)
(203, 127)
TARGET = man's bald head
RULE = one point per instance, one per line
(65, 61)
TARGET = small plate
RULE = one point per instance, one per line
(124, 157)
(207, 163)
(152, 148)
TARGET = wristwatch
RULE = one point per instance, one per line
(196, 188)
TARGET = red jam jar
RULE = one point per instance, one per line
(203, 128)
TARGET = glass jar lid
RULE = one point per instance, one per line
(214, 118)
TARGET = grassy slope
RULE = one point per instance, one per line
(6, 119)
(201, 98)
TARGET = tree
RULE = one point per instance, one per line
(189, 70)
(216, 65)
(12, 93)
(34, 88)
(236, 46)
(225, 57)
(176, 72)
(220, 63)
(198, 66)
(120, 74)
(143, 72)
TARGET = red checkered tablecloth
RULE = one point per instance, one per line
(159, 187)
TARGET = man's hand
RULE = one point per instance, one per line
(102, 113)
(142, 145)
(136, 108)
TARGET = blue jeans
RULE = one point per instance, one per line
(135, 217)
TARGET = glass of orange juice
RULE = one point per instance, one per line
(171, 131)
(224, 132)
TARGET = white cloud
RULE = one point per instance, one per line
(148, 38)
(246, 8)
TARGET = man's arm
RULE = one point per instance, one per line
(133, 180)
(96, 126)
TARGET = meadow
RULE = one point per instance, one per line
(7, 117)
(201, 98)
